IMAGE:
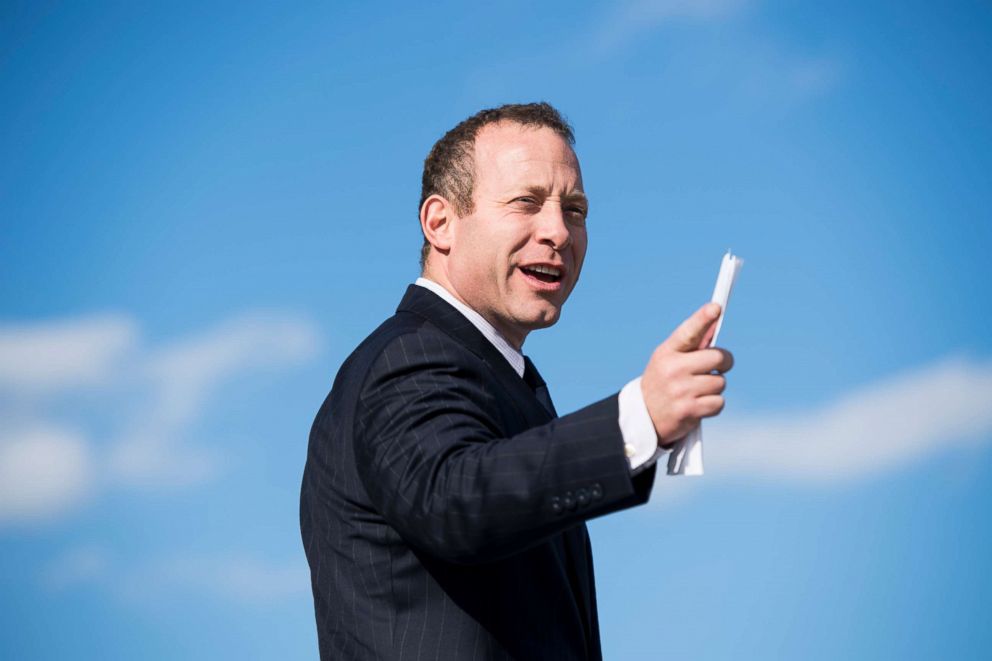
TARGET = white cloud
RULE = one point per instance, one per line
(880, 427)
(161, 461)
(44, 472)
(242, 579)
(235, 577)
(53, 356)
(187, 371)
(183, 377)
(151, 397)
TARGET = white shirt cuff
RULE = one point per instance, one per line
(640, 441)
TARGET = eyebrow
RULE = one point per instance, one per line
(578, 196)
(574, 196)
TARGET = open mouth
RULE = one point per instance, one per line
(547, 274)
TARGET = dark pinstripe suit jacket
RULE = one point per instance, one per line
(442, 505)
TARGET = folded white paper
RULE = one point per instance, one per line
(686, 458)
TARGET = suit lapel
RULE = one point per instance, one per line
(428, 305)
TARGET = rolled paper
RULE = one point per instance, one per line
(686, 458)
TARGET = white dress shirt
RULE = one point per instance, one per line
(640, 441)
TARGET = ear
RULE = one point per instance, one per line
(437, 217)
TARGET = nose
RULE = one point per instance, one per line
(552, 230)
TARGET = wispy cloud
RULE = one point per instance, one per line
(631, 19)
(50, 357)
(51, 462)
(234, 577)
(895, 423)
(814, 76)
(238, 578)
(183, 376)
(739, 63)
(78, 566)
(765, 76)
(45, 471)
(884, 426)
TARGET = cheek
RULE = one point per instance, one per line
(511, 246)
(580, 245)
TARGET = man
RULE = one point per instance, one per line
(443, 501)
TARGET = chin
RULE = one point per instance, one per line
(545, 317)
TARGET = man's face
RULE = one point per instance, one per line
(517, 256)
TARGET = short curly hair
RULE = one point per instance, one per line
(449, 168)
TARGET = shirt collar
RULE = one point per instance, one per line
(514, 357)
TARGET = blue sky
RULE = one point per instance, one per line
(203, 209)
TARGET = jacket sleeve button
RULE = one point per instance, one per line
(596, 491)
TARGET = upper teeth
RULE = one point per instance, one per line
(549, 270)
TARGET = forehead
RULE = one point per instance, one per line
(506, 153)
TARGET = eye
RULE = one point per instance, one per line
(527, 204)
(577, 212)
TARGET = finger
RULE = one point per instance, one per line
(708, 337)
(705, 361)
(708, 384)
(709, 406)
(691, 331)
(726, 360)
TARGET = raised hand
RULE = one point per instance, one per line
(679, 384)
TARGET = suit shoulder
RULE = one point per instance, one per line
(407, 342)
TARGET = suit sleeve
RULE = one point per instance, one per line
(435, 464)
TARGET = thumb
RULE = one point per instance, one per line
(691, 331)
